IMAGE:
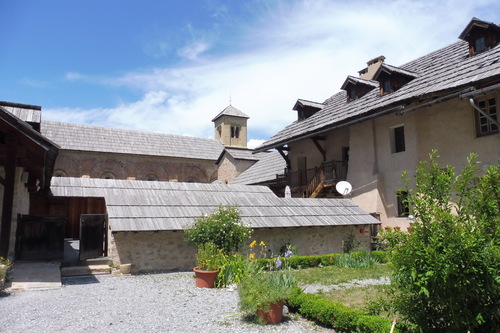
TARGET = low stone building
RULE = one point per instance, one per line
(144, 221)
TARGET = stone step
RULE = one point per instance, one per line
(85, 270)
(87, 262)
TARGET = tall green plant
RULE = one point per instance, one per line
(223, 227)
(447, 269)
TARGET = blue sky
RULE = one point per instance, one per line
(170, 65)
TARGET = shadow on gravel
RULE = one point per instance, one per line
(73, 280)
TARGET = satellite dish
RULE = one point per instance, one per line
(343, 187)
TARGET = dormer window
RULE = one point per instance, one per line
(392, 78)
(357, 88)
(480, 35)
(306, 109)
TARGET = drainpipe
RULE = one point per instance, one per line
(481, 111)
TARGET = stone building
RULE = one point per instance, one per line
(391, 117)
(109, 153)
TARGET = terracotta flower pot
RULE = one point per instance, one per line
(275, 313)
(205, 279)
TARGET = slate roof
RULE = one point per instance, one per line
(304, 102)
(231, 111)
(264, 171)
(445, 71)
(111, 140)
(241, 154)
(356, 80)
(27, 113)
(151, 206)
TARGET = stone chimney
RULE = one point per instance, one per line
(373, 66)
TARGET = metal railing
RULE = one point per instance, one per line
(333, 172)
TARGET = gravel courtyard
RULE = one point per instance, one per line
(137, 303)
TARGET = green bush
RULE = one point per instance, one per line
(446, 270)
(353, 260)
(329, 259)
(258, 290)
(380, 256)
(336, 315)
(232, 269)
(223, 227)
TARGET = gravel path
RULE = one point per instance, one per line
(137, 303)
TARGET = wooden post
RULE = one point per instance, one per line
(8, 195)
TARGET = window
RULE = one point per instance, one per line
(479, 45)
(352, 94)
(387, 86)
(485, 126)
(403, 207)
(235, 132)
(398, 139)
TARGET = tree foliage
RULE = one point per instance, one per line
(447, 269)
(223, 227)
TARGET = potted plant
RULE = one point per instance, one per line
(264, 294)
(224, 233)
(5, 265)
(208, 260)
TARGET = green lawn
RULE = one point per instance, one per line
(334, 275)
(373, 299)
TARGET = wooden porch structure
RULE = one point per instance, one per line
(310, 182)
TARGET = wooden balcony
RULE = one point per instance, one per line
(328, 174)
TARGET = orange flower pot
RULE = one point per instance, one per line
(205, 279)
(275, 313)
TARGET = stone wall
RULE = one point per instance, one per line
(168, 250)
(153, 251)
(124, 166)
(311, 240)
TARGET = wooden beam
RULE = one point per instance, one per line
(285, 157)
(8, 194)
(321, 150)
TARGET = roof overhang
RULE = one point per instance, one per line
(35, 153)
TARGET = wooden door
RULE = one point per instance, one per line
(93, 236)
(40, 237)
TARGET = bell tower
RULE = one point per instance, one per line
(231, 127)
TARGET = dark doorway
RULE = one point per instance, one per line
(93, 238)
(40, 237)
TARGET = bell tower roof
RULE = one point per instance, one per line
(231, 111)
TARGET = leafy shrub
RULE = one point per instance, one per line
(446, 270)
(233, 269)
(258, 290)
(355, 260)
(223, 227)
(336, 315)
(350, 243)
(208, 257)
(380, 256)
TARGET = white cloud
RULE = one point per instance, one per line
(253, 143)
(295, 50)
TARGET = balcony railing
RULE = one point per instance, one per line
(333, 171)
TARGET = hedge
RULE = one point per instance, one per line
(315, 260)
(336, 315)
